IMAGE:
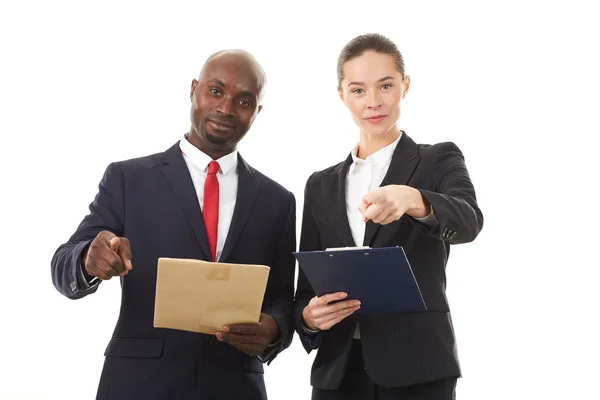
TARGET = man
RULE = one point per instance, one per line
(199, 199)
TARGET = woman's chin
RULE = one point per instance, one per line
(377, 132)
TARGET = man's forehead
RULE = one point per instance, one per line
(228, 77)
(233, 70)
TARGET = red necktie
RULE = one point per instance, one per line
(210, 211)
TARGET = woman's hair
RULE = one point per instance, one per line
(373, 42)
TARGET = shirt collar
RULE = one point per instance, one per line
(200, 160)
(380, 159)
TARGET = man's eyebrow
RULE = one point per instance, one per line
(217, 82)
(247, 93)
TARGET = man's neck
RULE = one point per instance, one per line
(213, 153)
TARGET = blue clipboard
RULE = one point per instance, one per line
(381, 278)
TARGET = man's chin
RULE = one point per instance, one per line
(217, 140)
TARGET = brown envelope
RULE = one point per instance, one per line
(201, 296)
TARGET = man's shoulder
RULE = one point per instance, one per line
(144, 162)
(270, 184)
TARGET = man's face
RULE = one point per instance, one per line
(225, 102)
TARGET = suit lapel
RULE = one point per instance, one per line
(335, 182)
(178, 176)
(248, 189)
(403, 164)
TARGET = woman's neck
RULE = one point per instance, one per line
(370, 144)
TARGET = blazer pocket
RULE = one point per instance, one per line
(252, 364)
(135, 347)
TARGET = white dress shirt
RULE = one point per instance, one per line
(197, 163)
(363, 177)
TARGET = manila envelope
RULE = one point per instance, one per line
(201, 296)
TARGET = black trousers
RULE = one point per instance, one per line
(356, 385)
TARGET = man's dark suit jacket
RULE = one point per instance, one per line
(152, 202)
(405, 348)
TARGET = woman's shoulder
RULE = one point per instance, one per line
(437, 149)
(326, 174)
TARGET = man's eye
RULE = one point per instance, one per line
(215, 91)
(245, 103)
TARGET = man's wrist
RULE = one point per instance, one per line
(88, 278)
(273, 327)
(276, 339)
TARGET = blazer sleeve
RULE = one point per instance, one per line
(279, 296)
(309, 241)
(454, 203)
(106, 212)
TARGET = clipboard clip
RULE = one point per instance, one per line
(347, 248)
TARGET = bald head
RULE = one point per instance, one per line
(241, 60)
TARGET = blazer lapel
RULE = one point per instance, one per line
(248, 189)
(403, 164)
(334, 182)
(178, 176)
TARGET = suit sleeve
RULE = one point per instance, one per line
(279, 296)
(458, 217)
(106, 212)
(309, 241)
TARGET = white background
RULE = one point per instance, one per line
(513, 84)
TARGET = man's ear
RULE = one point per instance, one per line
(192, 88)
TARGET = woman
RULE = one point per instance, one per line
(389, 191)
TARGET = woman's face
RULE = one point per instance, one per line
(372, 89)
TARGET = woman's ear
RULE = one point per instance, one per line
(406, 84)
(341, 94)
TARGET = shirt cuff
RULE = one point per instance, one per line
(311, 337)
(266, 356)
(429, 220)
(308, 330)
(81, 277)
